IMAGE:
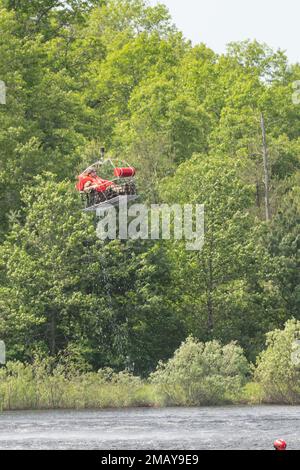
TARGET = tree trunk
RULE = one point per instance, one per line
(52, 333)
(210, 309)
(266, 169)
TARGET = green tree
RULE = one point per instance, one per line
(50, 301)
(283, 243)
(225, 289)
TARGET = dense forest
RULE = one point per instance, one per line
(117, 73)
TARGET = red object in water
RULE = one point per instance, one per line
(124, 172)
(280, 444)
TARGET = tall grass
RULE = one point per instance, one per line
(34, 387)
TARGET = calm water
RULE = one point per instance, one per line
(170, 429)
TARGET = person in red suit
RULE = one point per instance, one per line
(90, 181)
(100, 190)
(97, 188)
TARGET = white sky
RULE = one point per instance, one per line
(218, 22)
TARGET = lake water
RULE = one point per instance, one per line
(163, 429)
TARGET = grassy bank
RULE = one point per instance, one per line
(33, 387)
(198, 374)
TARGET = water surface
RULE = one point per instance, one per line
(163, 429)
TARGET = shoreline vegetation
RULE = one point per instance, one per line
(199, 374)
(198, 127)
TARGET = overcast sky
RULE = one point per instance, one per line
(218, 22)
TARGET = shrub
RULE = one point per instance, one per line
(202, 374)
(277, 372)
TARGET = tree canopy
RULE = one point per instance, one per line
(83, 74)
